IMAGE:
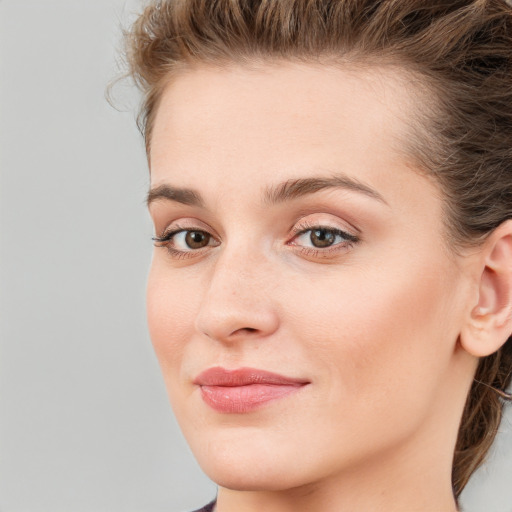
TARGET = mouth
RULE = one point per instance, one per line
(244, 389)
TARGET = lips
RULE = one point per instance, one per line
(244, 389)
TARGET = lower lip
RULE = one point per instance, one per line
(241, 399)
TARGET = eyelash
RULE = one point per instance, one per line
(349, 241)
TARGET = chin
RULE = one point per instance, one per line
(250, 466)
(250, 478)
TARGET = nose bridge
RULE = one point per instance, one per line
(237, 270)
(238, 299)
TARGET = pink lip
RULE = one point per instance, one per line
(244, 389)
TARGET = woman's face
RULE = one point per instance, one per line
(296, 240)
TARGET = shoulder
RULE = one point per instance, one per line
(208, 508)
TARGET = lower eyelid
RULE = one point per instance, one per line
(328, 252)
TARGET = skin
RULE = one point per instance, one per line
(373, 326)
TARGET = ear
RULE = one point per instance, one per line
(490, 321)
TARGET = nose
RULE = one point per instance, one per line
(238, 302)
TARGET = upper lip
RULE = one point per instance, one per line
(218, 376)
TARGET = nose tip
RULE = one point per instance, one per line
(231, 320)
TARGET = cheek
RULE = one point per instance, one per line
(170, 313)
(383, 338)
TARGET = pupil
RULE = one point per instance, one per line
(197, 239)
(322, 238)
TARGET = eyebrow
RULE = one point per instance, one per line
(294, 188)
(275, 194)
(179, 195)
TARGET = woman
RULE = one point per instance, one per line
(330, 297)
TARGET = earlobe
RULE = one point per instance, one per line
(490, 321)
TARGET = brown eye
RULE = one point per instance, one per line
(197, 239)
(186, 243)
(322, 237)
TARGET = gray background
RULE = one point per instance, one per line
(84, 419)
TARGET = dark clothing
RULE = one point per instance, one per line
(207, 508)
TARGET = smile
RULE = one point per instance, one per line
(245, 389)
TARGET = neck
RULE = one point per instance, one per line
(397, 486)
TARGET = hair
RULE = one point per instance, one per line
(460, 51)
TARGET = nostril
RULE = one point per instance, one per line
(246, 330)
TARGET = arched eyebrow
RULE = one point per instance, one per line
(179, 195)
(275, 194)
(294, 188)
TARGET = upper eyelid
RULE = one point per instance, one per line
(301, 225)
(175, 227)
(299, 228)
(333, 220)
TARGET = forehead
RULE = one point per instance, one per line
(278, 121)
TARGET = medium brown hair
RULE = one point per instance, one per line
(459, 50)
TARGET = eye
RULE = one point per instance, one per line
(323, 237)
(181, 241)
(188, 239)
